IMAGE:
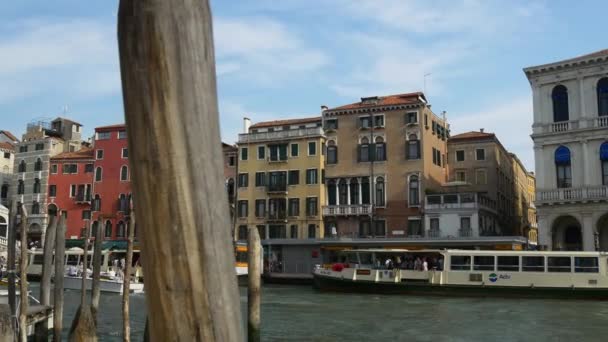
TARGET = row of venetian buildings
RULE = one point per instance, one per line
(385, 167)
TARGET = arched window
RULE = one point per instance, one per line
(414, 191)
(120, 230)
(354, 191)
(108, 231)
(98, 174)
(22, 166)
(97, 203)
(20, 187)
(331, 192)
(343, 192)
(602, 97)
(35, 208)
(604, 159)
(52, 210)
(380, 149)
(124, 173)
(562, 166)
(413, 147)
(38, 165)
(123, 203)
(332, 152)
(379, 192)
(4, 191)
(560, 103)
(363, 150)
(365, 190)
(37, 186)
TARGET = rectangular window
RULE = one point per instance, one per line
(480, 154)
(122, 134)
(332, 154)
(460, 263)
(380, 152)
(364, 122)
(242, 208)
(508, 263)
(99, 154)
(73, 190)
(483, 263)
(276, 231)
(433, 126)
(533, 264)
(564, 176)
(231, 161)
(86, 214)
(438, 157)
(411, 118)
(243, 180)
(88, 168)
(294, 207)
(125, 153)
(363, 155)
(312, 176)
(480, 177)
(413, 149)
(261, 152)
(461, 176)
(278, 152)
(312, 231)
(54, 168)
(295, 150)
(242, 233)
(460, 155)
(414, 228)
(379, 121)
(52, 190)
(331, 124)
(293, 231)
(103, 135)
(244, 153)
(293, 177)
(40, 147)
(312, 148)
(260, 179)
(434, 229)
(260, 208)
(311, 206)
(559, 264)
(7, 155)
(23, 148)
(434, 156)
(586, 265)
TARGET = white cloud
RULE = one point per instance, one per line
(511, 122)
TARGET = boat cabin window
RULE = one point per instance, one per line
(72, 260)
(533, 263)
(351, 258)
(241, 256)
(483, 263)
(559, 264)
(366, 258)
(508, 263)
(460, 263)
(586, 265)
(38, 259)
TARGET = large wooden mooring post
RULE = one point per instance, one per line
(59, 272)
(126, 327)
(95, 290)
(42, 328)
(23, 278)
(169, 92)
(254, 277)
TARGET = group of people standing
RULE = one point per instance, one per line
(409, 262)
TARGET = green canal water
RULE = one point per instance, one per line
(298, 313)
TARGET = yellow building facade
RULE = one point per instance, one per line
(280, 179)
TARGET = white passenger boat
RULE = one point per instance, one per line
(468, 272)
(106, 284)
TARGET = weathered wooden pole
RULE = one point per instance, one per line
(7, 331)
(126, 328)
(12, 251)
(59, 273)
(95, 291)
(169, 92)
(23, 278)
(42, 328)
(83, 326)
(254, 260)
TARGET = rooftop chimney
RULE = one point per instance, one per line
(246, 124)
(481, 130)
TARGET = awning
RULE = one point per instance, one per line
(562, 155)
(112, 245)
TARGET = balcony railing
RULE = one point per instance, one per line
(465, 232)
(433, 233)
(83, 198)
(280, 135)
(278, 216)
(277, 188)
(347, 210)
(581, 194)
(458, 201)
(566, 126)
(602, 121)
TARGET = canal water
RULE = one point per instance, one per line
(298, 313)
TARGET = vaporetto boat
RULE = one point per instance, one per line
(469, 272)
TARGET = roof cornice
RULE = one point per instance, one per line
(566, 64)
(372, 109)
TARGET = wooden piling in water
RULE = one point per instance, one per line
(7, 331)
(42, 328)
(169, 92)
(254, 260)
(126, 331)
(23, 278)
(95, 291)
(59, 272)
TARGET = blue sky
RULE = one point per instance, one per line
(280, 59)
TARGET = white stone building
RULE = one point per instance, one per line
(570, 134)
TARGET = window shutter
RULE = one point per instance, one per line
(358, 153)
(407, 150)
(418, 149)
(385, 151)
(371, 152)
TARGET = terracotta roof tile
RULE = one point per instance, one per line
(7, 146)
(286, 122)
(83, 153)
(9, 135)
(389, 100)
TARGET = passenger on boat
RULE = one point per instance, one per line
(388, 263)
(440, 264)
(425, 264)
(418, 264)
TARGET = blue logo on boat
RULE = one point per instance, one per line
(493, 277)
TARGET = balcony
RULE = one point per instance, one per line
(280, 188)
(280, 135)
(347, 210)
(458, 201)
(278, 216)
(572, 195)
(82, 198)
(464, 232)
(572, 125)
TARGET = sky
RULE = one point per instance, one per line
(283, 59)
